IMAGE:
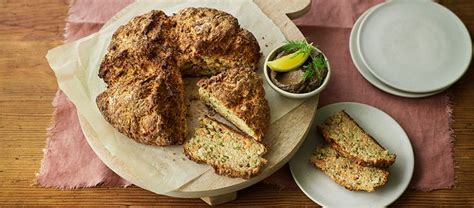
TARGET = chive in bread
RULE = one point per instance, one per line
(238, 95)
(352, 142)
(346, 172)
(226, 150)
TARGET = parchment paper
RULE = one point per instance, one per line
(76, 67)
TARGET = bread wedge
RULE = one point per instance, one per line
(148, 109)
(226, 150)
(347, 173)
(238, 95)
(211, 41)
(351, 141)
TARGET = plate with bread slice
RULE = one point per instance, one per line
(355, 155)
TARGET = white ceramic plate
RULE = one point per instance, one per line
(322, 190)
(414, 46)
(368, 75)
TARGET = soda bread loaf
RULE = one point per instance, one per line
(146, 59)
(347, 173)
(238, 95)
(226, 150)
(352, 142)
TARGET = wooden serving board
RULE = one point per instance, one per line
(283, 138)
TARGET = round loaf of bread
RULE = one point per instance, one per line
(147, 58)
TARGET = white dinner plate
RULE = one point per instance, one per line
(414, 46)
(368, 75)
(322, 190)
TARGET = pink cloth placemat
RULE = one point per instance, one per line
(69, 162)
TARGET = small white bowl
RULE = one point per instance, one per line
(290, 94)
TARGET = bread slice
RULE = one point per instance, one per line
(351, 141)
(346, 172)
(226, 150)
(238, 95)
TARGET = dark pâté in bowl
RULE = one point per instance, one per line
(297, 67)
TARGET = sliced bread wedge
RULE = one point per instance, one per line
(346, 172)
(229, 152)
(238, 95)
(351, 141)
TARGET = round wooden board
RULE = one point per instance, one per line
(283, 138)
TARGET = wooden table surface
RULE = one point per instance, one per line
(27, 86)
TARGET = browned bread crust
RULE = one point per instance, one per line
(347, 173)
(351, 141)
(211, 41)
(226, 150)
(149, 109)
(240, 90)
(145, 36)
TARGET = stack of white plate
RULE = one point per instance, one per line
(410, 48)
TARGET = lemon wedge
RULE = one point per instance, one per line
(288, 62)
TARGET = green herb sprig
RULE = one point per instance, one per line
(316, 66)
(298, 46)
(308, 72)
